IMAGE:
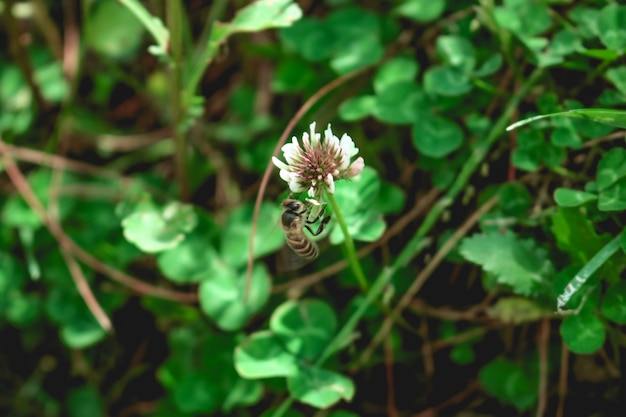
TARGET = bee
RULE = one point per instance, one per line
(294, 219)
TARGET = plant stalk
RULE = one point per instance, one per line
(353, 259)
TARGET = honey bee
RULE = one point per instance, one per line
(294, 219)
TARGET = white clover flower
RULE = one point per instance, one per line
(317, 163)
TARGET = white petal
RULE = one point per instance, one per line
(295, 186)
(285, 175)
(330, 183)
(279, 164)
(315, 137)
(347, 146)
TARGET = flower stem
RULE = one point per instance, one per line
(353, 260)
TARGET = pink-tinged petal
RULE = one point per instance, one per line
(330, 183)
(355, 168)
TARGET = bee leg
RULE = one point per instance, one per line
(320, 228)
(319, 216)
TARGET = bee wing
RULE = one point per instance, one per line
(288, 260)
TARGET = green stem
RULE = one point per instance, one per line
(174, 20)
(353, 259)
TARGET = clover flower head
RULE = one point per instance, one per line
(315, 164)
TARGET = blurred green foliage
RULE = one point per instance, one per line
(134, 136)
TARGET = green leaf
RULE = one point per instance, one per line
(236, 235)
(197, 392)
(421, 11)
(436, 136)
(612, 27)
(613, 198)
(310, 38)
(357, 199)
(222, 296)
(358, 52)
(532, 151)
(82, 332)
(306, 327)
(613, 305)
(583, 333)
(319, 387)
(515, 200)
(398, 69)
(120, 41)
(565, 197)
(514, 262)
(611, 168)
(263, 355)
(155, 229)
(357, 108)
(566, 137)
(510, 383)
(490, 66)
(293, 75)
(400, 103)
(617, 76)
(457, 52)
(257, 16)
(446, 81)
(575, 234)
(85, 402)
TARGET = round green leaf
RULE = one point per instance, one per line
(266, 14)
(319, 387)
(310, 38)
(293, 75)
(197, 393)
(306, 327)
(82, 332)
(436, 137)
(400, 103)
(565, 137)
(420, 10)
(356, 53)
(236, 236)
(193, 259)
(583, 333)
(458, 52)
(614, 303)
(515, 200)
(118, 41)
(155, 229)
(611, 168)
(401, 68)
(222, 296)
(357, 108)
(263, 355)
(446, 81)
(612, 26)
(566, 197)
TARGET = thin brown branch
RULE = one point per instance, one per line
(85, 292)
(543, 339)
(562, 390)
(69, 245)
(423, 277)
